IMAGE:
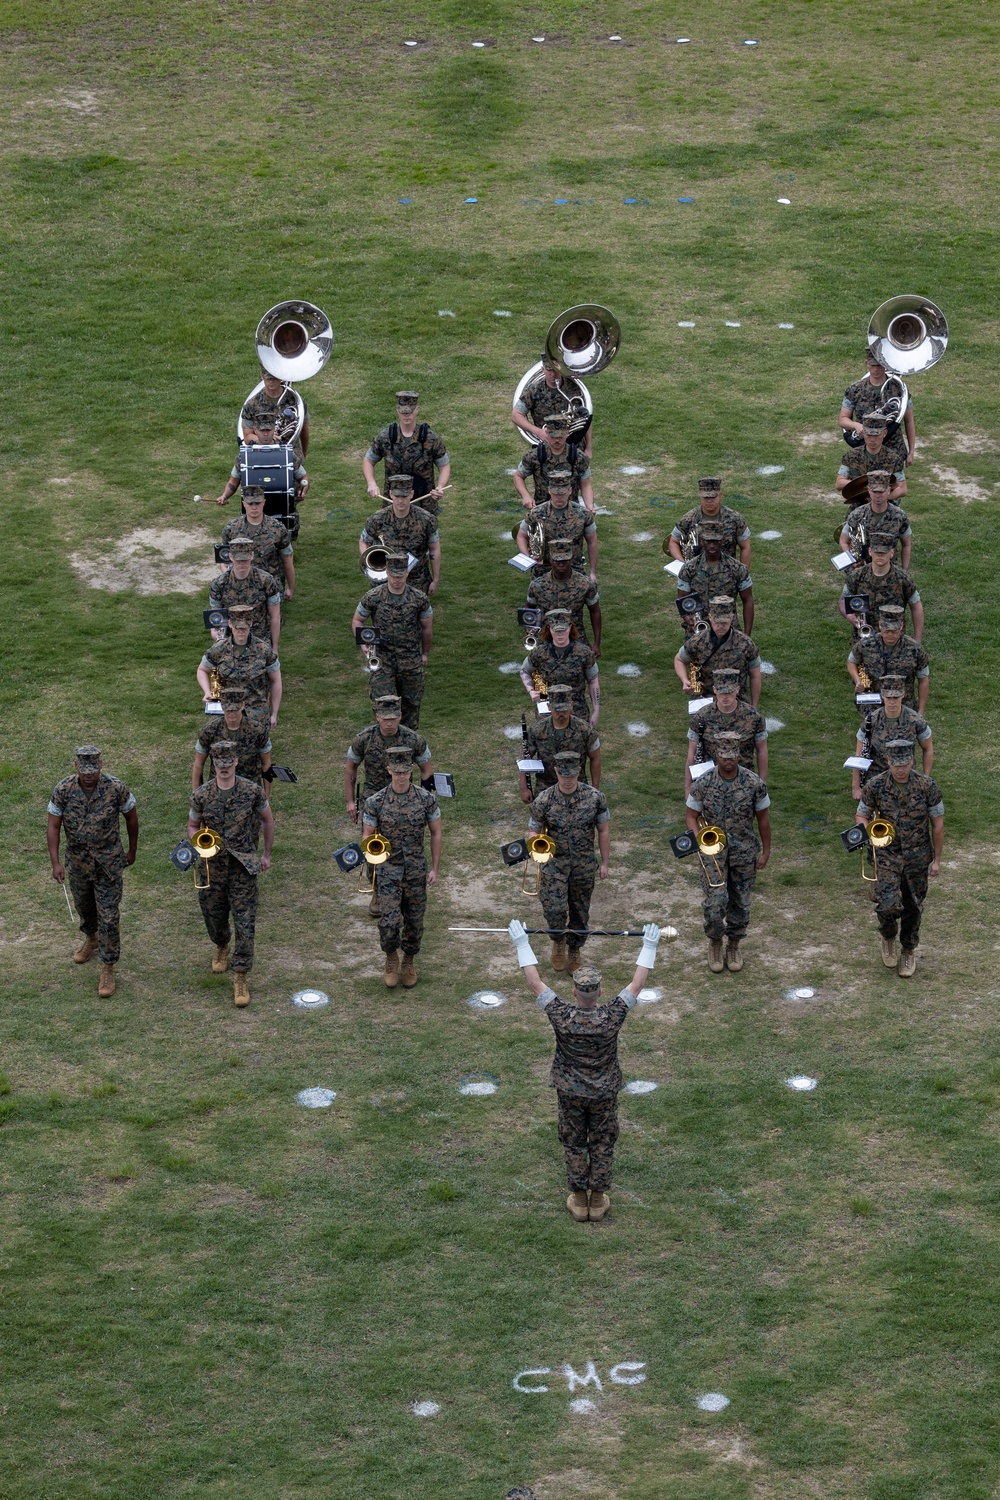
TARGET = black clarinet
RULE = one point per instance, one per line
(526, 753)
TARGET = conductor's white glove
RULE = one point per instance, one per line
(647, 953)
(519, 937)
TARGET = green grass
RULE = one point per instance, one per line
(207, 1290)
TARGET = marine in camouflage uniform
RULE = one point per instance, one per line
(879, 728)
(539, 462)
(400, 812)
(263, 412)
(252, 737)
(730, 797)
(867, 520)
(253, 665)
(684, 538)
(713, 573)
(719, 649)
(539, 401)
(403, 623)
(568, 522)
(571, 812)
(86, 807)
(861, 399)
(546, 739)
(419, 455)
(899, 656)
(236, 813)
(742, 720)
(415, 533)
(894, 587)
(573, 664)
(258, 589)
(272, 541)
(371, 747)
(566, 588)
(915, 808)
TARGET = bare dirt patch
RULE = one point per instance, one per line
(819, 439)
(953, 484)
(152, 560)
(972, 442)
(80, 101)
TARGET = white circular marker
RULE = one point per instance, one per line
(802, 992)
(712, 1401)
(629, 669)
(632, 469)
(642, 536)
(766, 536)
(479, 44)
(310, 999)
(766, 470)
(682, 39)
(784, 200)
(512, 731)
(582, 1405)
(486, 999)
(538, 39)
(641, 1086)
(801, 1083)
(409, 44)
(424, 1408)
(615, 38)
(509, 668)
(316, 1098)
(478, 1084)
(650, 995)
(786, 325)
(445, 312)
(751, 43)
(773, 725)
(638, 730)
(768, 669)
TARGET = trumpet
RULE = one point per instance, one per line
(881, 834)
(206, 844)
(711, 841)
(541, 848)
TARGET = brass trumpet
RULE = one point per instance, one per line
(540, 850)
(711, 841)
(881, 834)
(206, 844)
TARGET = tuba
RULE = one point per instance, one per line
(206, 844)
(582, 341)
(294, 341)
(711, 841)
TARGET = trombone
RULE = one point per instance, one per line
(881, 834)
(711, 841)
(206, 844)
(540, 850)
(376, 850)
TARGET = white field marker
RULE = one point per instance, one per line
(712, 1401)
(801, 1083)
(315, 1098)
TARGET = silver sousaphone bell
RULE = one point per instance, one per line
(294, 341)
(582, 341)
(907, 335)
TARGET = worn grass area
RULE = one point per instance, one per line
(207, 1290)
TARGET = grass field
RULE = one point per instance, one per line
(207, 1290)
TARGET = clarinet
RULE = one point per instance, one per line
(526, 752)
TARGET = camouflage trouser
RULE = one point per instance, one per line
(402, 903)
(900, 893)
(566, 886)
(405, 682)
(588, 1128)
(233, 890)
(97, 897)
(727, 908)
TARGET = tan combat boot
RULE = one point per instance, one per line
(408, 973)
(907, 963)
(241, 990)
(889, 952)
(87, 948)
(577, 1205)
(106, 983)
(599, 1205)
(391, 970)
(574, 960)
(734, 958)
(715, 955)
(220, 959)
(559, 955)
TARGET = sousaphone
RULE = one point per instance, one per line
(294, 341)
(907, 335)
(582, 341)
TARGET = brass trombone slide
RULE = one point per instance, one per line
(711, 841)
(881, 834)
(540, 850)
(206, 844)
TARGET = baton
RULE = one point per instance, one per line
(72, 914)
(669, 934)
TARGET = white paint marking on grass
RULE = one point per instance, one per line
(502, 312)
(424, 1408)
(712, 1401)
(478, 1084)
(751, 42)
(479, 44)
(629, 669)
(538, 39)
(486, 999)
(734, 325)
(410, 44)
(445, 312)
(784, 200)
(637, 729)
(642, 536)
(582, 1406)
(682, 39)
(512, 731)
(615, 38)
(602, 510)
(641, 1086)
(773, 725)
(310, 999)
(766, 470)
(786, 325)
(768, 669)
(509, 668)
(633, 1377)
(687, 325)
(801, 1083)
(315, 1098)
(649, 996)
(769, 536)
(632, 469)
(802, 992)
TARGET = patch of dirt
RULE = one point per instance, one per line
(728, 1448)
(80, 101)
(953, 484)
(819, 439)
(227, 1196)
(572, 1484)
(152, 560)
(971, 442)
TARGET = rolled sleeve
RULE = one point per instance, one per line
(627, 998)
(208, 665)
(923, 671)
(274, 598)
(275, 666)
(128, 804)
(693, 803)
(924, 735)
(425, 614)
(843, 472)
(363, 610)
(592, 672)
(55, 809)
(434, 816)
(864, 811)
(762, 803)
(372, 456)
(746, 584)
(744, 535)
(754, 666)
(534, 826)
(937, 811)
(603, 817)
(424, 757)
(353, 756)
(546, 997)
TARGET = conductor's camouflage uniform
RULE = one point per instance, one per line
(236, 816)
(271, 542)
(710, 721)
(398, 618)
(539, 460)
(573, 521)
(906, 659)
(711, 653)
(573, 593)
(258, 589)
(252, 740)
(734, 527)
(545, 742)
(566, 881)
(901, 868)
(250, 666)
(574, 664)
(402, 880)
(370, 748)
(587, 1076)
(419, 455)
(729, 805)
(94, 857)
(416, 533)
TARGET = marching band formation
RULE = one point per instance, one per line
(900, 814)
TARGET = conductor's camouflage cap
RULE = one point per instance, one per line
(224, 753)
(899, 752)
(587, 979)
(874, 422)
(388, 707)
(892, 687)
(406, 400)
(88, 758)
(709, 486)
